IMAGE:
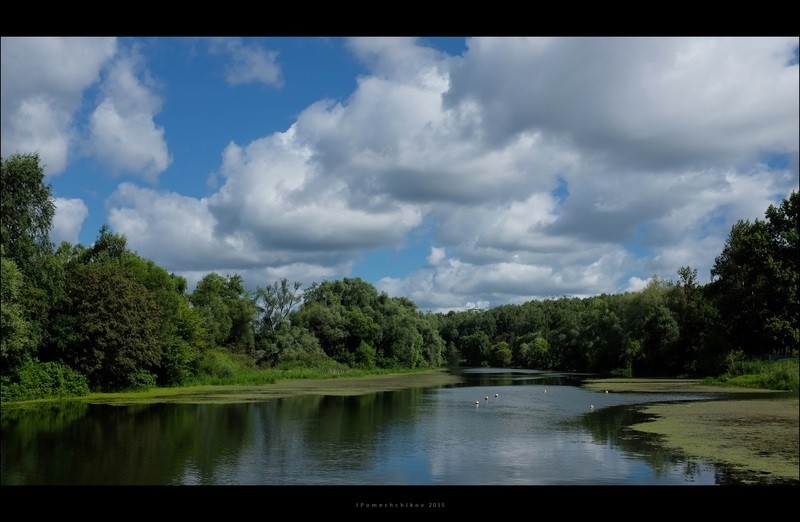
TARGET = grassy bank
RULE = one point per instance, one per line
(636, 385)
(776, 375)
(282, 383)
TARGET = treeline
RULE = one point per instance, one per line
(749, 311)
(76, 318)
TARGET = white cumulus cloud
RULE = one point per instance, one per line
(43, 81)
(68, 219)
(436, 256)
(544, 167)
(123, 134)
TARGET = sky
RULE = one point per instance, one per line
(458, 172)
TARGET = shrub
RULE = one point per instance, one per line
(365, 356)
(626, 372)
(37, 380)
(783, 375)
(220, 363)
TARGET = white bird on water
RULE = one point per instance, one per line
(545, 392)
(591, 407)
(486, 398)
(497, 395)
(477, 403)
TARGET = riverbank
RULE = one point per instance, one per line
(664, 386)
(253, 393)
(755, 435)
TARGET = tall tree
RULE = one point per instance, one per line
(17, 338)
(26, 215)
(26, 211)
(275, 302)
(756, 279)
(228, 311)
(110, 327)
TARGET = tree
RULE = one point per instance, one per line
(534, 352)
(756, 279)
(275, 302)
(17, 339)
(432, 344)
(26, 212)
(228, 311)
(109, 327)
(500, 356)
(325, 322)
(26, 215)
(475, 348)
(107, 246)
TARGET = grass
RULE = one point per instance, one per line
(262, 376)
(254, 387)
(776, 375)
(235, 377)
(651, 385)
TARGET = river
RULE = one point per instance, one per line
(528, 427)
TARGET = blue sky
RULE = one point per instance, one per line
(458, 172)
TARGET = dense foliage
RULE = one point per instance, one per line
(103, 317)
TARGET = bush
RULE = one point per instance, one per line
(142, 379)
(783, 375)
(365, 356)
(178, 362)
(219, 363)
(626, 372)
(37, 380)
(778, 375)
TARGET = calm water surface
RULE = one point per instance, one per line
(415, 436)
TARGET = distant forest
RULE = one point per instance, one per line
(77, 318)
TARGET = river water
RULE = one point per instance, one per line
(539, 429)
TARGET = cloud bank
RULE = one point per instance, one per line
(542, 166)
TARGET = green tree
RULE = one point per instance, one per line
(181, 332)
(26, 212)
(275, 302)
(401, 341)
(564, 334)
(756, 279)
(109, 327)
(228, 311)
(351, 319)
(432, 344)
(534, 352)
(17, 339)
(291, 344)
(500, 356)
(475, 348)
(325, 322)
(107, 247)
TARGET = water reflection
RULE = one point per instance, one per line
(611, 426)
(413, 436)
(299, 440)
